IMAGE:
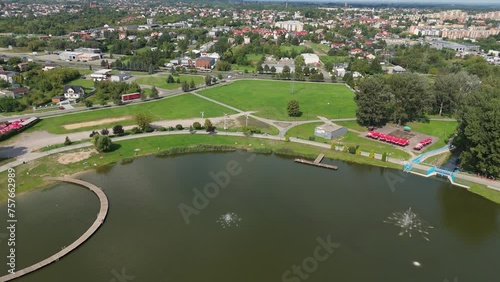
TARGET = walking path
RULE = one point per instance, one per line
(93, 228)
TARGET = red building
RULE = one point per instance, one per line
(205, 62)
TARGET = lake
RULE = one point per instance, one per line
(256, 218)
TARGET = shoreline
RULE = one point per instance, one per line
(267, 146)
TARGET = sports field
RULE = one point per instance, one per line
(270, 98)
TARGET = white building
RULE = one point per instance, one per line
(310, 59)
(290, 25)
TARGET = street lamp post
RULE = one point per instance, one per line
(246, 121)
(225, 122)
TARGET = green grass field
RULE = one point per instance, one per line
(178, 107)
(298, 49)
(270, 98)
(161, 81)
(333, 59)
(319, 47)
(304, 131)
(85, 83)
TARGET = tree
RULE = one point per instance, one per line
(208, 123)
(192, 85)
(273, 70)
(371, 100)
(9, 104)
(179, 127)
(293, 108)
(185, 86)
(143, 120)
(67, 141)
(372, 154)
(478, 132)
(410, 97)
(150, 69)
(286, 72)
(102, 143)
(451, 89)
(88, 104)
(170, 79)
(154, 93)
(266, 69)
(208, 80)
(384, 157)
(375, 67)
(118, 130)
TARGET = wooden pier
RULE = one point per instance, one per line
(97, 223)
(319, 158)
(317, 162)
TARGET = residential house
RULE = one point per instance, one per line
(205, 62)
(73, 92)
(8, 76)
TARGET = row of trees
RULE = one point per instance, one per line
(404, 97)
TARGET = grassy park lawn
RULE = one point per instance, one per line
(352, 124)
(304, 131)
(33, 172)
(85, 83)
(178, 107)
(161, 81)
(270, 98)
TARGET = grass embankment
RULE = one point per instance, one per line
(30, 176)
(161, 81)
(178, 107)
(490, 194)
(270, 98)
(305, 131)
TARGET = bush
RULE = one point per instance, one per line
(93, 133)
(197, 125)
(170, 128)
(384, 157)
(372, 154)
(358, 151)
(67, 141)
(352, 150)
(118, 130)
(149, 129)
(104, 131)
(161, 128)
(136, 130)
(179, 127)
(345, 149)
(102, 143)
(287, 139)
(312, 138)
